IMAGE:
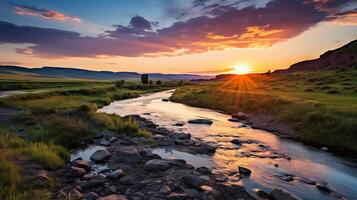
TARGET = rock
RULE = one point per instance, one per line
(261, 193)
(166, 100)
(95, 182)
(165, 190)
(229, 192)
(104, 142)
(279, 194)
(116, 174)
(205, 149)
(324, 148)
(194, 181)
(42, 175)
(177, 196)
(75, 194)
(192, 193)
(88, 176)
(113, 197)
(183, 136)
(240, 116)
(100, 155)
(91, 196)
(77, 172)
(127, 154)
(245, 171)
(146, 113)
(233, 120)
(113, 139)
(128, 180)
(82, 164)
(177, 162)
(276, 165)
(236, 142)
(179, 123)
(206, 188)
(203, 170)
(200, 121)
(323, 187)
(155, 165)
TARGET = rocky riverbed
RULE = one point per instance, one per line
(132, 171)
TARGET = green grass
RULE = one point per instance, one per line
(315, 104)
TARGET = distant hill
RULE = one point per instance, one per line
(343, 57)
(89, 74)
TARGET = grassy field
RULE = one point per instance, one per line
(63, 117)
(320, 106)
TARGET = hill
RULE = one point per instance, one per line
(89, 74)
(343, 57)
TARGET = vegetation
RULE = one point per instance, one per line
(144, 78)
(321, 106)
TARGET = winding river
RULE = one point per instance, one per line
(275, 162)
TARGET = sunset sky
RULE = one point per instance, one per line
(172, 36)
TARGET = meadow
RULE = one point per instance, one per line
(320, 106)
(51, 123)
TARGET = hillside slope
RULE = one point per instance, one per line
(343, 57)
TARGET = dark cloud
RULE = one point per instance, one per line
(229, 27)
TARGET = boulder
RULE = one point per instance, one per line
(183, 136)
(127, 154)
(200, 121)
(100, 155)
(82, 164)
(240, 116)
(236, 142)
(113, 197)
(128, 180)
(244, 170)
(91, 196)
(194, 181)
(116, 174)
(205, 149)
(77, 172)
(279, 194)
(104, 142)
(179, 123)
(155, 165)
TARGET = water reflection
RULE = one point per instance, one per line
(260, 151)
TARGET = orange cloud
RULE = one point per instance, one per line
(44, 13)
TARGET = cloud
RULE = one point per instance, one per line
(231, 27)
(218, 71)
(44, 13)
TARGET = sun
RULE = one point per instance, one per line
(241, 69)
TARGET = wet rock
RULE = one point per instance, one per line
(128, 180)
(166, 100)
(229, 192)
(203, 170)
(205, 149)
(113, 197)
(82, 164)
(194, 181)
(233, 120)
(244, 170)
(177, 162)
(276, 165)
(240, 116)
(100, 155)
(91, 196)
(165, 190)
(323, 187)
(183, 136)
(146, 113)
(155, 165)
(116, 174)
(206, 188)
(96, 182)
(236, 142)
(177, 196)
(200, 121)
(113, 139)
(179, 123)
(104, 142)
(279, 194)
(324, 148)
(261, 193)
(127, 154)
(88, 176)
(77, 172)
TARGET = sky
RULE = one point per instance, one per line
(172, 36)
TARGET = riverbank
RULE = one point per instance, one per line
(38, 131)
(297, 105)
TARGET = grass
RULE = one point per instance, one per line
(315, 104)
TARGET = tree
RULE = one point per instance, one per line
(158, 82)
(119, 84)
(150, 82)
(144, 78)
(268, 73)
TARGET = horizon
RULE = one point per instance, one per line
(190, 37)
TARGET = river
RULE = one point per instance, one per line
(275, 162)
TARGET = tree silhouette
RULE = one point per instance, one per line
(144, 78)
